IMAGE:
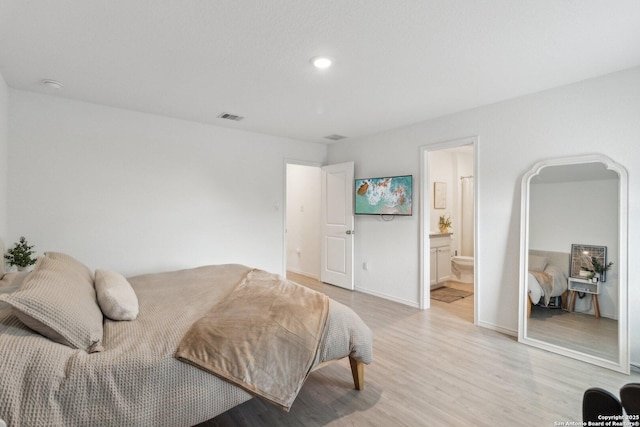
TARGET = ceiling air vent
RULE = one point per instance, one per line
(335, 137)
(228, 116)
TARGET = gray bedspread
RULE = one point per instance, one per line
(136, 381)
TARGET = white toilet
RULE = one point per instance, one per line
(462, 268)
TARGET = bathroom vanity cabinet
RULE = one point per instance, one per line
(440, 255)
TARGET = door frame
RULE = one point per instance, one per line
(425, 212)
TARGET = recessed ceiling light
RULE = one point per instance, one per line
(321, 62)
(52, 84)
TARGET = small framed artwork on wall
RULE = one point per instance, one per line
(439, 195)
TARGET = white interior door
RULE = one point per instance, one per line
(337, 225)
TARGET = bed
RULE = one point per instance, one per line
(547, 277)
(127, 372)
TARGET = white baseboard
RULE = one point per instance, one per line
(413, 304)
(511, 332)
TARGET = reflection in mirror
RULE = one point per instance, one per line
(574, 214)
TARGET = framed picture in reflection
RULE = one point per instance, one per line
(589, 261)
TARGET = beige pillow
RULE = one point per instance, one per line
(13, 279)
(116, 297)
(537, 263)
(58, 301)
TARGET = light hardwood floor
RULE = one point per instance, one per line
(434, 368)
(578, 331)
(462, 308)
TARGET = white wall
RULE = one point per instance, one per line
(598, 115)
(141, 193)
(303, 219)
(583, 212)
(442, 168)
(4, 170)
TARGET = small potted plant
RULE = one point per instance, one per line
(598, 268)
(20, 255)
(444, 223)
(595, 268)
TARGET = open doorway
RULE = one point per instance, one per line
(319, 221)
(448, 219)
(302, 220)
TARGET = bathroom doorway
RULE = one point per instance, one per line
(448, 227)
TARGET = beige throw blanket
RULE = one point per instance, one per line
(546, 282)
(263, 337)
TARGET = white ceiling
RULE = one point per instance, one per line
(396, 62)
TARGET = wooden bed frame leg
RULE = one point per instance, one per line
(357, 370)
(565, 300)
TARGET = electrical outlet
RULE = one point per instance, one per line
(365, 265)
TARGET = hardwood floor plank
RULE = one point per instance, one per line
(435, 368)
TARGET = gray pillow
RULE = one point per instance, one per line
(58, 300)
(116, 297)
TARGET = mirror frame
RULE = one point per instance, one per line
(623, 363)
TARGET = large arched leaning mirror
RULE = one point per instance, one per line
(574, 226)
